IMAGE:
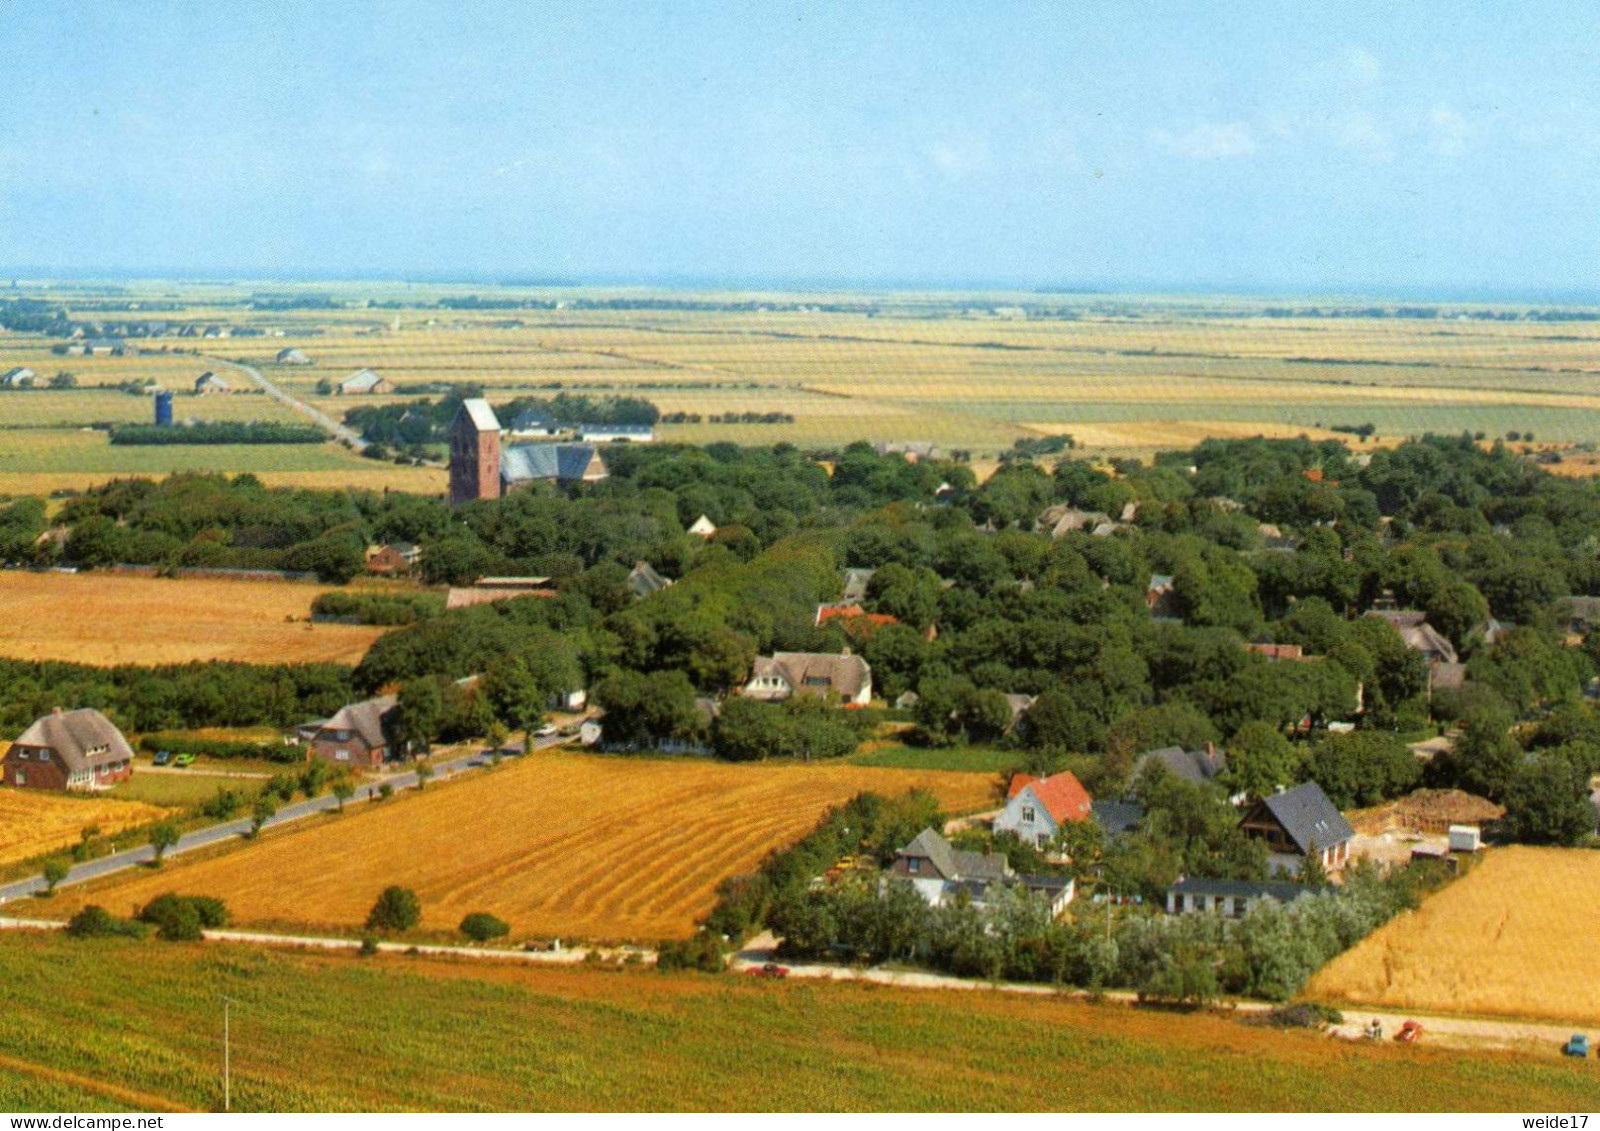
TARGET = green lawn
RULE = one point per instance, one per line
(977, 759)
(179, 790)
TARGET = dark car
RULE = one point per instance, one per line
(770, 970)
(1577, 1045)
(162, 758)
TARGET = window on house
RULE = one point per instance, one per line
(913, 864)
(341, 755)
(1027, 813)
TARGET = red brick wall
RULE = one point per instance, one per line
(360, 754)
(39, 775)
(474, 463)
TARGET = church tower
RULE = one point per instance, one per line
(474, 453)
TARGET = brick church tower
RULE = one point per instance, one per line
(474, 453)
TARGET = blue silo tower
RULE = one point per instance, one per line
(163, 409)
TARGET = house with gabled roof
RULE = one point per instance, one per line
(643, 580)
(76, 750)
(1197, 767)
(292, 356)
(1232, 898)
(703, 527)
(363, 382)
(782, 674)
(1037, 808)
(1296, 823)
(18, 378)
(354, 736)
(210, 382)
(1419, 635)
(941, 873)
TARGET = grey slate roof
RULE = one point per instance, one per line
(360, 381)
(644, 580)
(562, 462)
(364, 719)
(1116, 817)
(1193, 766)
(1250, 889)
(955, 863)
(82, 739)
(1309, 817)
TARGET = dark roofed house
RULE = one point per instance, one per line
(1232, 898)
(643, 580)
(1116, 817)
(533, 422)
(1297, 822)
(617, 433)
(78, 750)
(209, 382)
(354, 736)
(18, 378)
(393, 559)
(559, 463)
(1419, 635)
(1196, 767)
(292, 356)
(940, 872)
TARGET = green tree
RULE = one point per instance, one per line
(424, 771)
(480, 926)
(1260, 759)
(397, 909)
(55, 870)
(1548, 803)
(261, 812)
(515, 696)
(343, 790)
(162, 836)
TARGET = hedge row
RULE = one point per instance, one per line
(217, 433)
(221, 747)
(378, 608)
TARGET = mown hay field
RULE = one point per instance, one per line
(34, 822)
(555, 844)
(325, 1033)
(1514, 937)
(106, 619)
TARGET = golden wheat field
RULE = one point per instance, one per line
(1516, 936)
(34, 822)
(101, 618)
(555, 844)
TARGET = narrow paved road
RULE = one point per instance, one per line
(227, 830)
(320, 419)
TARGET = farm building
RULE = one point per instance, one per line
(354, 735)
(394, 559)
(783, 674)
(940, 873)
(1296, 823)
(209, 382)
(18, 378)
(481, 468)
(76, 750)
(1231, 898)
(292, 356)
(616, 433)
(363, 382)
(533, 424)
(1037, 808)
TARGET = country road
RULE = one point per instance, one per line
(320, 419)
(228, 830)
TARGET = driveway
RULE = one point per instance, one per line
(321, 419)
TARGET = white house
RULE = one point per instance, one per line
(1037, 808)
(783, 674)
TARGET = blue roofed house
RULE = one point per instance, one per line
(1294, 824)
(521, 464)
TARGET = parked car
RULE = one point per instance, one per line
(1577, 1045)
(162, 758)
(183, 760)
(770, 970)
(1409, 1032)
(546, 731)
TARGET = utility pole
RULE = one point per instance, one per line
(227, 1067)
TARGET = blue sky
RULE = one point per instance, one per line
(1298, 147)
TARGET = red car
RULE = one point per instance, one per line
(770, 970)
(1409, 1032)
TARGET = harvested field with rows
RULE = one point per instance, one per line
(107, 619)
(34, 822)
(555, 844)
(1515, 937)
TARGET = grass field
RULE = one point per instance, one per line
(1515, 937)
(555, 844)
(34, 822)
(180, 790)
(146, 1016)
(1124, 374)
(41, 460)
(101, 618)
(957, 759)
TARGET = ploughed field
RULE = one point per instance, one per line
(94, 1025)
(34, 821)
(1514, 937)
(105, 618)
(564, 845)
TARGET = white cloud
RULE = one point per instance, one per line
(1209, 141)
(1362, 67)
(1450, 131)
(1361, 133)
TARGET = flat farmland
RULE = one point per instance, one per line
(1515, 937)
(41, 460)
(34, 822)
(569, 845)
(105, 618)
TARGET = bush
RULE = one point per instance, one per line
(386, 609)
(397, 909)
(220, 747)
(95, 921)
(182, 918)
(480, 926)
(703, 952)
(1306, 1015)
(369, 946)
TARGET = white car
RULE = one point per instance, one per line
(546, 731)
